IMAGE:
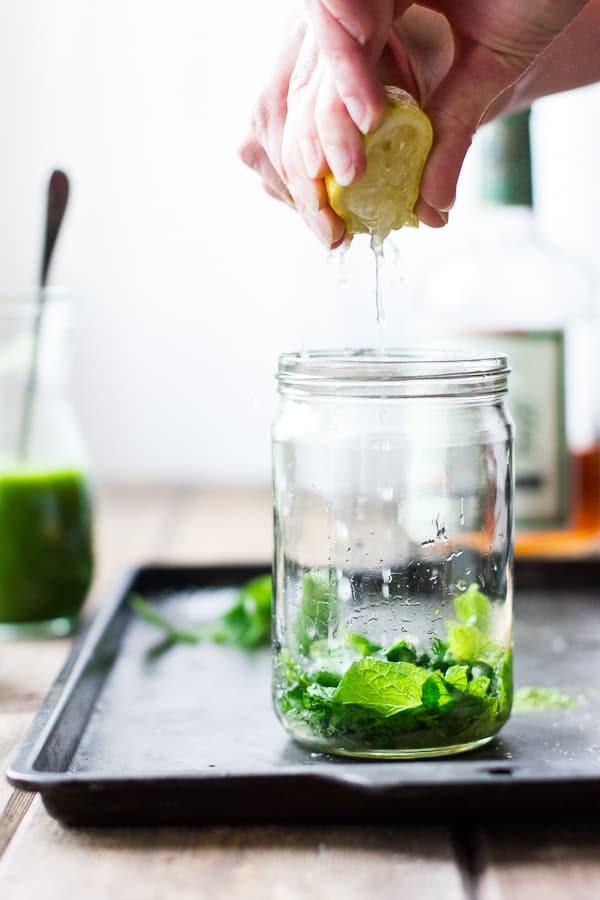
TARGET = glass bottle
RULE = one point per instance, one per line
(45, 500)
(511, 290)
(393, 552)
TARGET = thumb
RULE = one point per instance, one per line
(456, 109)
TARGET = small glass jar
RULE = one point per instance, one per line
(45, 501)
(393, 519)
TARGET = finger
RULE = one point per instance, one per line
(344, 241)
(303, 106)
(270, 112)
(456, 108)
(420, 51)
(254, 156)
(276, 196)
(352, 66)
(309, 193)
(429, 216)
(301, 155)
(355, 16)
(328, 227)
(339, 137)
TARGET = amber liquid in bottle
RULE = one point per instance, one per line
(582, 533)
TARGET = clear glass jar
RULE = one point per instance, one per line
(45, 501)
(393, 552)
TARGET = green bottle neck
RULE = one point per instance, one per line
(506, 162)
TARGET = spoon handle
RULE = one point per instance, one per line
(58, 195)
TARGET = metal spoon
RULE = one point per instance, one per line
(58, 194)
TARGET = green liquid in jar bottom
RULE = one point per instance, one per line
(46, 559)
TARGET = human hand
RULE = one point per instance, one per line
(263, 148)
(460, 59)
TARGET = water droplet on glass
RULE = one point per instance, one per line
(344, 588)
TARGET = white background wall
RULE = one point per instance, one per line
(188, 280)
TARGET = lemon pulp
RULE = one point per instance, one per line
(383, 200)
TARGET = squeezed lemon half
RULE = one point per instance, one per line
(383, 200)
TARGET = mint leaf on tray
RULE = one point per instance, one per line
(247, 624)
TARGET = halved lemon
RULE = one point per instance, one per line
(383, 200)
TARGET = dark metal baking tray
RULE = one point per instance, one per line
(128, 736)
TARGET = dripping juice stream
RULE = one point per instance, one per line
(377, 248)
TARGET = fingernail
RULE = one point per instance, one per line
(303, 192)
(447, 208)
(353, 32)
(443, 214)
(358, 113)
(319, 223)
(311, 157)
(340, 162)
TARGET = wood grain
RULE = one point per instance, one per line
(253, 863)
(533, 861)
(12, 728)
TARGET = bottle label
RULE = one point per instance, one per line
(536, 400)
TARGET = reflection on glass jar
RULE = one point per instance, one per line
(393, 552)
(45, 501)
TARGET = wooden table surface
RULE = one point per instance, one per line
(41, 859)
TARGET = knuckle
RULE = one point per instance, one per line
(260, 117)
(269, 190)
(248, 152)
(341, 60)
(300, 79)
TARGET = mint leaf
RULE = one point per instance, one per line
(171, 633)
(362, 644)
(318, 608)
(467, 644)
(439, 651)
(473, 608)
(458, 677)
(326, 678)
(539, 699)
(502, 682)
(479, 686)
(437, 693)
(246, 625)
(383, 687)
(320, 692)
(402, 651)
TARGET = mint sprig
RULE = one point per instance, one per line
(247, 624)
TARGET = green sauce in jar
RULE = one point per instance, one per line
(46, 557)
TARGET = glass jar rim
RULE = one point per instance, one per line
(394, 372)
